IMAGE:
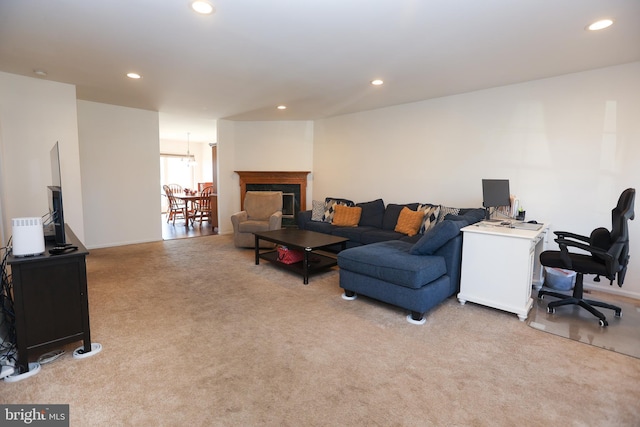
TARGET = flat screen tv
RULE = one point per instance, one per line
(56, 211)
(495, 193)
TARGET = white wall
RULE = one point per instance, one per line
(34, 114)
(258, 146)
(120, 157)
(569, 146)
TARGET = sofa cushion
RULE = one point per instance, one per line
(435, 238)
(251, 226)
(320, 227)
(354, 234)
(317, 210)
(390, 261)
(409, 221)
(392, 212)
(346, 216)
(260, 205)
(329, 207)
(372, 213)
(470, 215)
(376, 235)
(477, 212)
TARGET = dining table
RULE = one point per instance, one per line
(189, 200)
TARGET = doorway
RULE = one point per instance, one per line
(193, 171)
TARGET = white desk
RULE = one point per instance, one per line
(499, 266)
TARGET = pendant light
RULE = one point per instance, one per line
(190, 160)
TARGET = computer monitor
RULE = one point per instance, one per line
(495, 193)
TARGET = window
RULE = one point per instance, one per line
(174, 170)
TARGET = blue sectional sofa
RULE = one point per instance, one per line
(412, 272)
(377, 222)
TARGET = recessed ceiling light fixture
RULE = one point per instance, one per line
(377, 82)
(134, 76)
(600, 25)
(281, 107)
(202, 7)
(41, 73)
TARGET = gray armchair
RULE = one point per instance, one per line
(262, 212)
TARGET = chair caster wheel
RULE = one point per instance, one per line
(551, 310)
(603, 323)
(618, 314)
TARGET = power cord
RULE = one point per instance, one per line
(50, 357)
(8, 356)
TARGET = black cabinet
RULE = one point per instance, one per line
(50, 301)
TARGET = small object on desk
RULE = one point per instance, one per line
(526, 226)
(505, 223)
(532, 221)
(57, 250)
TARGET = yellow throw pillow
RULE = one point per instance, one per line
(345, 216)
(409, 221)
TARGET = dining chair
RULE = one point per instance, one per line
(204, 205)
(176, 188)
(176, 207)
(203, 185)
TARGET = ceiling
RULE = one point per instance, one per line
(317, 57)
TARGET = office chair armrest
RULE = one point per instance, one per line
(610, 257)
(591, 249)
(569, 235)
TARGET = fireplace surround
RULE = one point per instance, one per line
(292, 184)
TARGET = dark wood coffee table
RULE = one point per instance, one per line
(309, 242)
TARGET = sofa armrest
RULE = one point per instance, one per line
(275, 221)
(452, 253)
(303, 218)
(237, 218)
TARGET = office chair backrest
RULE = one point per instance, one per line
(620, 216)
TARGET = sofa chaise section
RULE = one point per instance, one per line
(414, 276)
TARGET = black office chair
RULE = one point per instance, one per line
(608, 256)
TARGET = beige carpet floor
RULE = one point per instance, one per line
(194, 333)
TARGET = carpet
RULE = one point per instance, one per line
(195, 334)
(575, 323)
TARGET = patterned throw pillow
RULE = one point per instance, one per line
(409, 221)
(430, 219)
(345, 216)
(317, 210)
(329, 207)
(444, 211)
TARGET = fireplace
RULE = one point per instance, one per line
(292, 184)
(289, 205)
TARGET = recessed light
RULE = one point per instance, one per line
(281, 107)
(377, 82)
(41, 73)
(600, 25)
(134, 76)
(202, 7)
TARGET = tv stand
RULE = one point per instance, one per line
(51, 302)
